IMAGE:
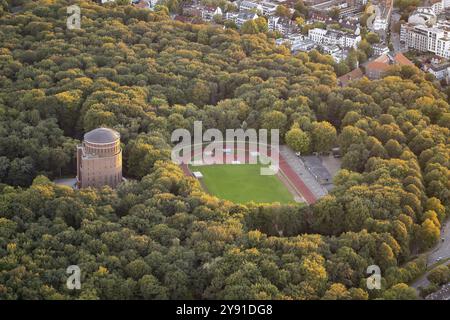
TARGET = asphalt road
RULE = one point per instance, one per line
(395, 37)
(442, 251)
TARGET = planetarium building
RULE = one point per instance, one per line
(99, 159)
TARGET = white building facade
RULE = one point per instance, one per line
(209, 13)
(241, 17)
(334, 37)
(434, 39)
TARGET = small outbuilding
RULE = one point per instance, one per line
(197, 174)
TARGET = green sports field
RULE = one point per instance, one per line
(242, 183)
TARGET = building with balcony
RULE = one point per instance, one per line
(435, 39)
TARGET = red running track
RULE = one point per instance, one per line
(296, 181)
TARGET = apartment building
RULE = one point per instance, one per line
(317, 34)
(380, 49)
(434, 39)
(415, 36)
(439, 6)
(250, 5)
(241, 17)
(334, 37)
(265, 8)
(208, 13)
(443, 46)
(281, 25)
(440, 71)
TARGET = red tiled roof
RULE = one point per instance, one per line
(352, 75)
(376, 65)
(402, 60)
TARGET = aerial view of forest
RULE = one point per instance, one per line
(159, 234)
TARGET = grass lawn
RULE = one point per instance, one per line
(242, 183)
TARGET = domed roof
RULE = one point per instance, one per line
(101, 135)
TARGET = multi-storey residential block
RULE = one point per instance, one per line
(241, 17)
(317, 34)
(208, 13)
(415, 37)
(297, 42)
(440, 71)
(423, 38)
(250, 5)
(443, 46)
(282, 25)
(268, 8)
(265, 8)
(439, 6)
(334, 37)
(380, 49)
(303, 45)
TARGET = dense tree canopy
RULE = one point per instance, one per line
(160, 236)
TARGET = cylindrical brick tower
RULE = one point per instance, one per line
(99, 159)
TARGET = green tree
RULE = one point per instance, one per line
(151, 289)
(250, 27)
(439, 275)
(400, 291)
(323, 136)
(334, 13)
(372, 38)
(298, 140)
(337, 291)
(428, 234)
(274, 120)
(282, 11)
